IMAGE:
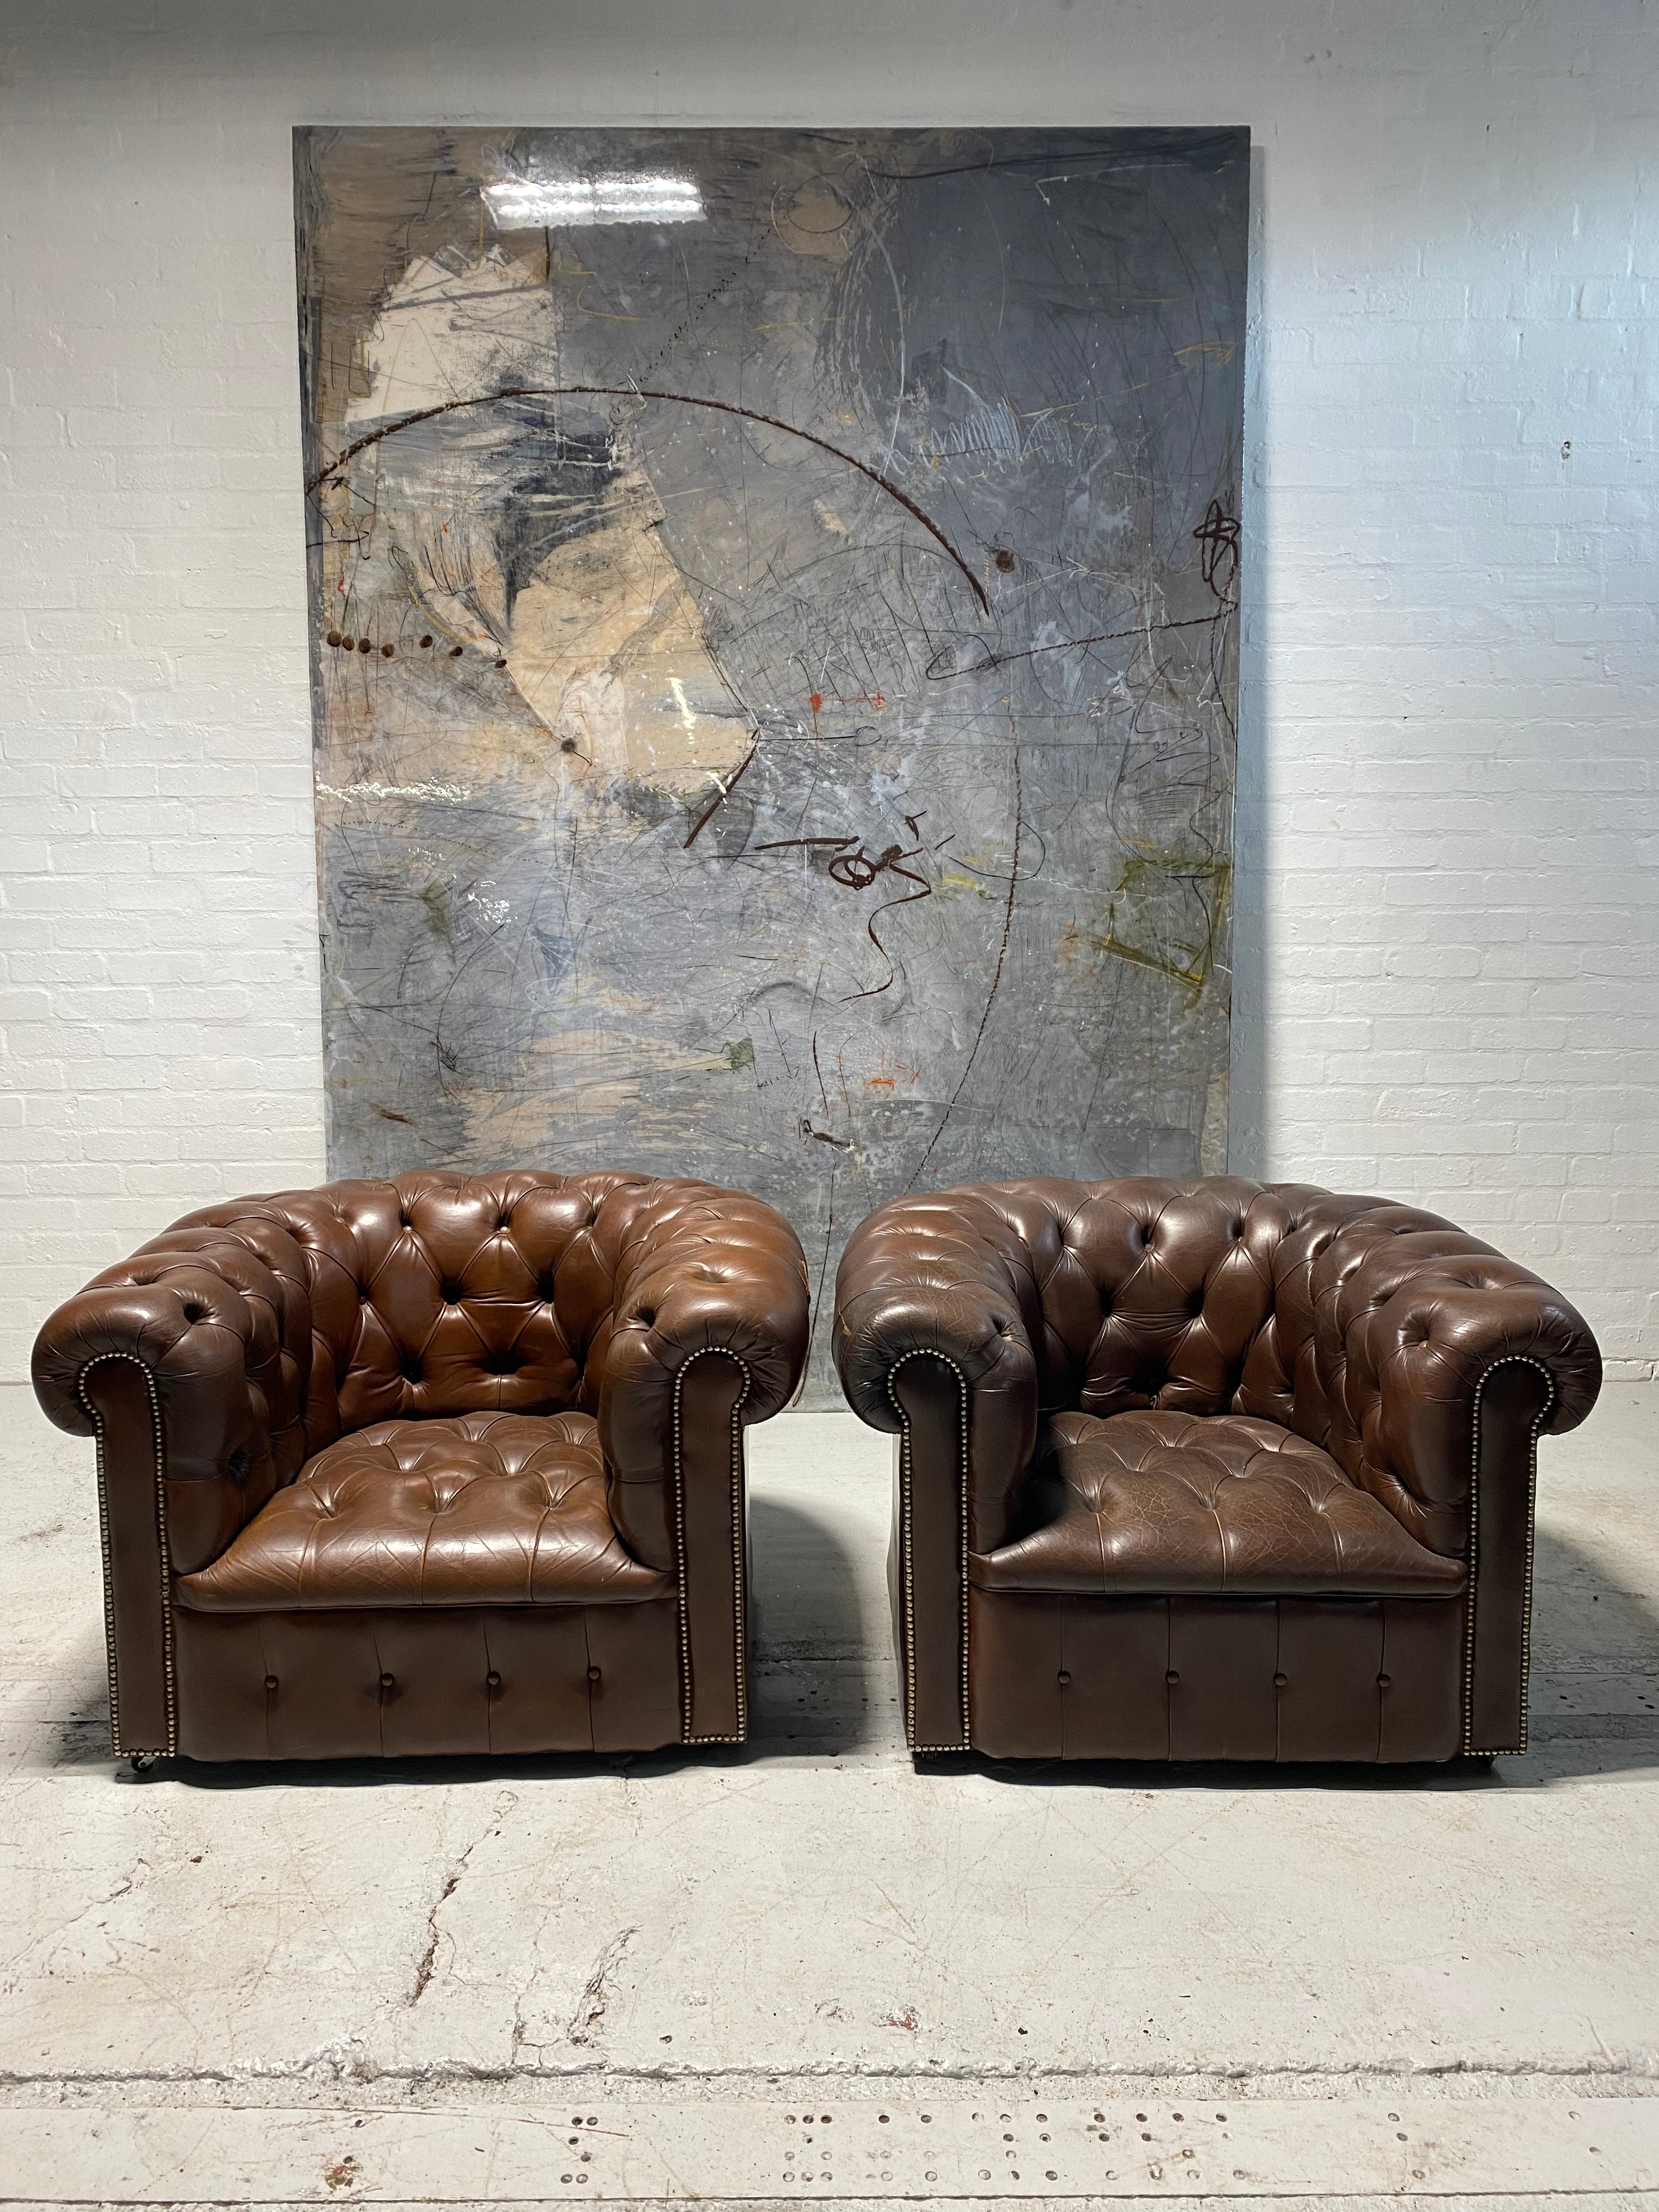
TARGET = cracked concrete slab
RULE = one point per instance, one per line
(722, 1929)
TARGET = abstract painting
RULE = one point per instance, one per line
(774, 604)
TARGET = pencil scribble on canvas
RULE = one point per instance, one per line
(774, 602)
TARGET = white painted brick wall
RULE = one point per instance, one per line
(1449, 823)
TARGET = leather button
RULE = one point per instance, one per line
(1172, 1676)
(1062, 1678)
(593, 1673)
(270, 1681)
(1280, 1681)
(492, 1679)
(386, 1681)
(1384, 1681)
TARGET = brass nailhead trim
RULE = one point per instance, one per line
(127, 1750)
(905, 1550)
(1514, 1359)
(739, 1594)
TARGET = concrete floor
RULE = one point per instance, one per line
(715, 1975)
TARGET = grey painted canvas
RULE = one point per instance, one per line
(773, 623)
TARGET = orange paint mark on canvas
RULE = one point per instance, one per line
(815, 700)
(891, 1077)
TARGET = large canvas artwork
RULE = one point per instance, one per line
(774, 607)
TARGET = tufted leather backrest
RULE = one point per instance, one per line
(1154, 1292)
(1366, 1327)
(1281, 1301)
(430, 1294)
(266, 1327)
(1212, 1296)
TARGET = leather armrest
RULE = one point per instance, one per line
(1442, 1363)
(704, 1271)
(195, 1315)
(1411, 1316)
(708, 1334)
(946, 1276)
(933, 1340)
(162, 1359)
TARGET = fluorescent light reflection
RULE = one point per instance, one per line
(532, 204)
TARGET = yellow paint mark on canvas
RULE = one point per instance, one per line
(604, 314)
(688, 719)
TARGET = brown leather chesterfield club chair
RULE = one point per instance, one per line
(1211, 1469)
(445, 1464)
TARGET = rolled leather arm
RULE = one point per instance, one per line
(162, 1359)
(946, 1276)
(1442, 1363)
(1414, 1320)
(708, 1334)
(197, 1314)
(936, 1303)
(703, 1271)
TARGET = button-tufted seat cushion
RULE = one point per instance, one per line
(1156, 1504)
(493, 1508)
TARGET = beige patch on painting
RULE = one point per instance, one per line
(451, 329)
(814, 219)
(607, 649)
